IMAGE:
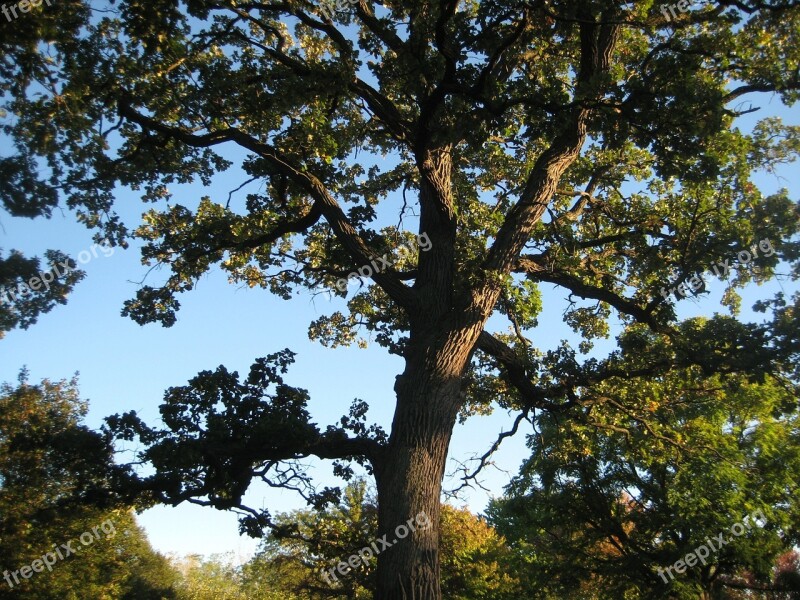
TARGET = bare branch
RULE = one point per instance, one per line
(484, 460)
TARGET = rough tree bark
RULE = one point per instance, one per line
(409, 485)
(409, 481)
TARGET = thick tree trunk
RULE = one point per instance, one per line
(410, 478)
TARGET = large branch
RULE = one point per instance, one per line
(378, 103)
(552, 397)
(753, 7)
(516, 374)
(597, 43)
(342, 228)
(535, 271)
(227, 241)
(744, 351)
(366, 14)
(501, 52)
(331, 447)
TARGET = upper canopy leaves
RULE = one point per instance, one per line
(336, 115)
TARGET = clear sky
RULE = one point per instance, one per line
(124, 366)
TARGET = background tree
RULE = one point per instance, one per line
(787, 576)
(593, 145)
(274, 575)
(644, 474)
(476, 561)
(306, 542)
(55, 482)
(210, 578)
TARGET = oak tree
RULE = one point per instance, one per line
(591, 146)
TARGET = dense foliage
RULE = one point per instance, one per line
(56, 497)
(649, 474)
(596, 146)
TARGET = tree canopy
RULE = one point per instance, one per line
(642, 480)
(57, 482)
(596, 147)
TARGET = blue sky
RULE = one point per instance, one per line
(124, 366)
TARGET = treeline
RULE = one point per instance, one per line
(601, 510)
